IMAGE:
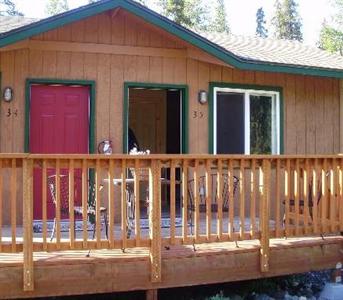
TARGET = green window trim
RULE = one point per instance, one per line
(185, 101)
(89, 83)
(213, 85)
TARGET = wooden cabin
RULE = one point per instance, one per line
(244, 135)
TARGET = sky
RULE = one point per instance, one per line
(241, 14)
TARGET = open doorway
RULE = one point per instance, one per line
(156, 122)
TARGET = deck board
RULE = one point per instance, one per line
(71, 272)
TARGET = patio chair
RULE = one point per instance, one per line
(78, 211)
(202, 193)
(302, 202)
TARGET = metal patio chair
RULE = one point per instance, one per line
(78, 211)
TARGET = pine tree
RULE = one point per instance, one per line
(7, 8)
(287, 21)
(220, 23)
(189, 13)
(331, 35)
(54, 7)
(261, 30)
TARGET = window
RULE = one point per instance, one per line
(246, 121)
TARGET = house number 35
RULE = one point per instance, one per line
(198, 114)
(11, 112)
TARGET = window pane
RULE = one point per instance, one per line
(261, 119)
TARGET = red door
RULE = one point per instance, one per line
(59, 123)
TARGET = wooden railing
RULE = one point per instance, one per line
(163, 200)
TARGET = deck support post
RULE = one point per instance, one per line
(151, 294)
(28, 275)
(155, 220)
(264, 218)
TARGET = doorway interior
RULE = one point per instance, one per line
(156, 122)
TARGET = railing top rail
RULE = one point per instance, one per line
(167, 156)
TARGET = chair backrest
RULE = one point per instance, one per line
(64, 191)
(225, 193)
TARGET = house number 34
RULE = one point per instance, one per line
(198, 114)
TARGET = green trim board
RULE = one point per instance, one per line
(89, 83)
(185, 101)
(213, 85)
(169, 26)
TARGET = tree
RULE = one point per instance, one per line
(7, 8)
(54, 7)
(189, 13)
(287, 21)
(261, 30)
(220, 23)
(331, 35)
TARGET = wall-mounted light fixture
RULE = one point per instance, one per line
(8, 94)
(202, 97)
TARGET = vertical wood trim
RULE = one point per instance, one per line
(314, 196)
(123, 204)
(287, 195)
(306, 194)
(97, 203)
(111, 203)
(341, 115)
(333, 194)
(277, 198)
(27, 223)
(253, 198)
(242, 198)
(44, 203)
(265, 199)
(172, 202)
(13, 203)
(137, 204)
(71, 204)
(324, 199)
(1, 202)
(196, 178)
(58, 204)
(220, 199)
(297, 196)
(155, 221)
(208, 200)
(84, 202)
(185, 200)
(231, 201)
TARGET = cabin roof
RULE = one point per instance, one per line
(247, 53)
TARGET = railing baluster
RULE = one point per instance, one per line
(184, 200)
(315, 197)
(252, 198)
(172, 202)
(296, 195)
(111, 203)
(231, 201)
(196, 178)
(97, 204)
(137, 204)
(333, 193)
(58, 204)
(14, 203)
(208, 200)
(155, 220)
(242, 198)
(27, 225)
(277, 198)
(220, 199)
(84, 188)
(305, 197)
(265, 200)
(324, 198)
(287, 196)
(44, 204)
(1, 204)
(71, 204)
(340, 198)
(124, 195)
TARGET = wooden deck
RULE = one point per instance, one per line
(72, 273)
(275, 208)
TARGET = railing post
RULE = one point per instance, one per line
(155, 220)
(27, 224)
(264, 218)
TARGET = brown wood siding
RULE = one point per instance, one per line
(312, 104)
